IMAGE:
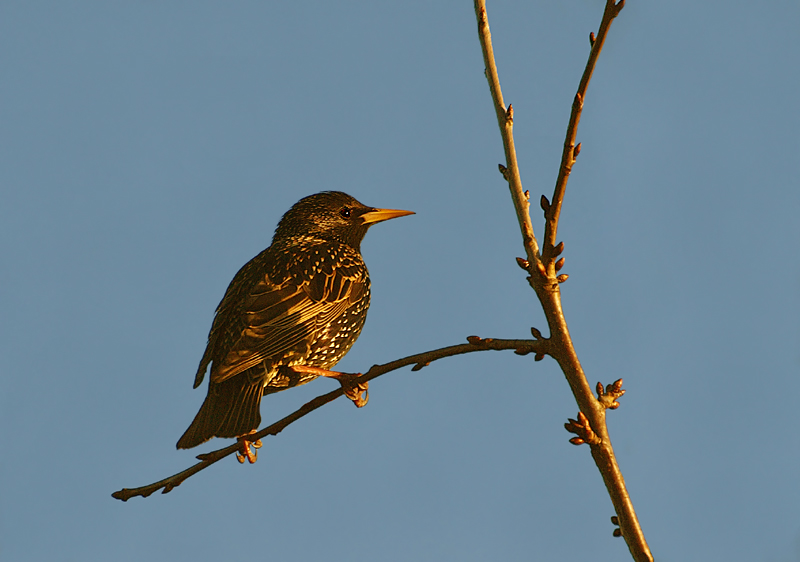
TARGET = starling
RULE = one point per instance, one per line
(290, 314)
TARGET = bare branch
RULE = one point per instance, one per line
(505, 119)
(591, 424)
(571, 151)
(520, 347)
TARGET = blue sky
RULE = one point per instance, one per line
(149, 149)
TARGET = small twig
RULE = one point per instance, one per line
(521, 347)
(505, 119)
(571, 151)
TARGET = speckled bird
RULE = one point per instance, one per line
(301, 302)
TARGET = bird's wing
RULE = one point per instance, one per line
(278, 319)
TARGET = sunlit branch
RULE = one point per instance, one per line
(521, 347)
(590, 427)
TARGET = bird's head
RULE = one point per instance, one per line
(332, 215)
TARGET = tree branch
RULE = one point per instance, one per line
(591, 424)
(538, 346)
(571, 151)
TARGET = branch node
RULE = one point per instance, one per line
(557, 249)
(563, 277)
(583, 430)
(618, 8)
(420, 366)
(617, 532)
(536, 334)
(524, 264)
(576, 151)
(474, 340)
(559, 264)
(482, 19)
(527, 195)
(591, 38)
(608, 396)
(503, 170)
(538, 356)
(578, 103)
(545, 204)
(522, 351)
(510, 114)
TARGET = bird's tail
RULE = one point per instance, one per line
(231, 409)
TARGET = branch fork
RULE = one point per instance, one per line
(543, 267)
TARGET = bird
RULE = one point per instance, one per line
(288, 316)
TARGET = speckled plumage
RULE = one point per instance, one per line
(302, 301)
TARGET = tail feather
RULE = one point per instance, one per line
(230, 409)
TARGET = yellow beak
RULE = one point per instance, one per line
(380, 215)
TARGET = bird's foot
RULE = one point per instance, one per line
(357, 392)
(248, 449)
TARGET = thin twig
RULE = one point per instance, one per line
(570, 153)
(505, 120)
(544, 281)
(521, 347)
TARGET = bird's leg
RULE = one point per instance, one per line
(357, 392)
(245, 451)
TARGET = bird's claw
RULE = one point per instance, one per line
(246, 451)
(357, 392)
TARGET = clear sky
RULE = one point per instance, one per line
(149, 149)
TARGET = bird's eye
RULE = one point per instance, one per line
(345, 212)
